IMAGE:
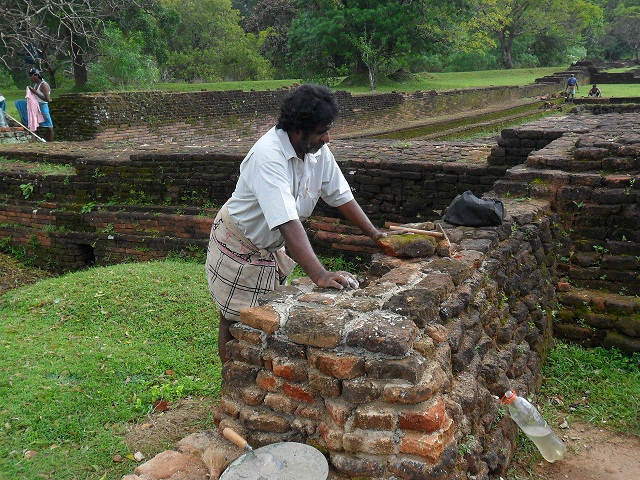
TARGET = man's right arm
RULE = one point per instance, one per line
(297, 242)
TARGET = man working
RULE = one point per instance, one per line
(42, 92)
(281, 179)
(595, 91)
(572, 87)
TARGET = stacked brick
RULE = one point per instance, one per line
(592, 177)
(398, 379)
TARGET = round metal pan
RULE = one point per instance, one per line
(279, 461)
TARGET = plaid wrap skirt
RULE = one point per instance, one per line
(237, 271)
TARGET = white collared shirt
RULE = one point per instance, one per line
(275, 187)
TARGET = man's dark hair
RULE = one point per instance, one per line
(306, 107)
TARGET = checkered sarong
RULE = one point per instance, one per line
(237, 271)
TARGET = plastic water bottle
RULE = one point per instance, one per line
(537, 429)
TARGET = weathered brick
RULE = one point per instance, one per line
(280, 403)
(239, 374)
(245, 333)
(332, 436)
(427, 417)
(268, 381)
(430, 384)
(263, 318)
(374, 417)
(387, 334)
(356, 467)
(339, 411)
(324, 385)
(360, 390)
(266, 421)
(317, 327)
(369, 442)
(342, 366)
(244, 352)
(293, 370)
(298, 392)
(428, 445)
(252, 395)
(410, 368)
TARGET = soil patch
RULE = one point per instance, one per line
(13, 274)
(160, 431)
(592, 454)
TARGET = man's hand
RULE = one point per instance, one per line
(338, 280)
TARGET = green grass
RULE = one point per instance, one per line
(595, 385)
(88, 352)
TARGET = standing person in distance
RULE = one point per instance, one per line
(572, 87)
(281, 179)
(42, 91)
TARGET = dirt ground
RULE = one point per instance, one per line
(593, 453)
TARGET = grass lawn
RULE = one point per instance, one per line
(88, 352)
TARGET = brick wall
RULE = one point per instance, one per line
(154, 116)
(101, 204)
(400, 378)
(591, 176)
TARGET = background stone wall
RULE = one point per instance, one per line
(154, 116)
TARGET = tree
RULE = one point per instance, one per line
(210, 44)
(330, 34)
(557, 20)
(272, 19)
(52, 33)
(626, 27)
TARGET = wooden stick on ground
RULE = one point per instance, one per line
(417, 230)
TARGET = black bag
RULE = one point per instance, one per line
(471, 211)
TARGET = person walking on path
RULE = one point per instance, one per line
(572, 87)
(281, 179)
(42, 92)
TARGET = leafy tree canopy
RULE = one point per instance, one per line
(346, 34)
(210, 44)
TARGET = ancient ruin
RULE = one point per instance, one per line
(400, 378)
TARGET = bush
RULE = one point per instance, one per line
(122, 62)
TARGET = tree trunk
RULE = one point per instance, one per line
(506, 45)
(80, 75)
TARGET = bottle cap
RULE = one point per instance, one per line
(508, 397)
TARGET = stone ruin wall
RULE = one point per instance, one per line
(399, 379)
(197, 117)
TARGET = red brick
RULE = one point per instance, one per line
(332, 436)
(428, 445)
(298, 393)
(269, 382)
(344, 367)
(263, 318)
(310, 411)
(424, 418)
(339, 411)
(294, 370)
